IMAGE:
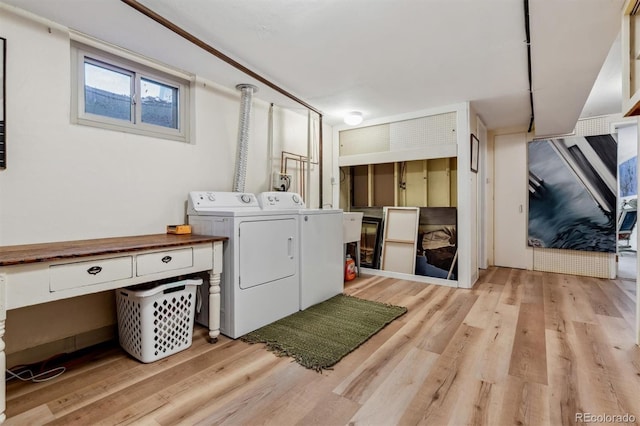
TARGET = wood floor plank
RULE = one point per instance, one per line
(443, 388)
(624, 354)
(42, 393)
(441, 331)
(500, 276)
(532, 288)
(262, 388)
(484, 274)
(362, 382)
(528, 358)
(483, 310)
(480, 408)
(138, 386)
(36, 416)
(497, 345)
(426, 297)
(623, 302)
(384, 290)
(520, 402)
(579, 307)
(407, 293)
(486, 365)
(599, 377)
(512, 294)
(369, 287)
(556, 307)
(186, 392)
(82, 388)
(331, 410)
(599, 300)
(564, 382)
(626, 285)
(390, 399)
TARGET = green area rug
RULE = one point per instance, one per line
(321, 335)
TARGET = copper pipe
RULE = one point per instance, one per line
(302, 185)
(299, 161)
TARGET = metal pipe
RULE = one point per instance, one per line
(527, 30)
(308, 177)
(320, 184)
(218, 54)
(270, 148)
(215, 52)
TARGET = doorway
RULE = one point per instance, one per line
(627, 236)
(627, 200)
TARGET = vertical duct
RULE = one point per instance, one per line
(247, 91)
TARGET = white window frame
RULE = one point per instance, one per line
(81, 53)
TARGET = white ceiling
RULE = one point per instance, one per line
(381, 57)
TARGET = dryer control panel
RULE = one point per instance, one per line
(212, 200)
(276, 200)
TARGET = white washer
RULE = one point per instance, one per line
(260, 281)
(321, 246)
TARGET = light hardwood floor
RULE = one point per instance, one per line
(521, 348)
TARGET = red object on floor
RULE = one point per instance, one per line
(349, 269)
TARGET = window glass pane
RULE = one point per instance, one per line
(107, 92)
(159, 103)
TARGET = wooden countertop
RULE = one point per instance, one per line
(45, 252)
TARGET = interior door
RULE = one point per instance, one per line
(510, 217)
(267, 251)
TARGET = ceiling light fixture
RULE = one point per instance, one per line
(353, 118)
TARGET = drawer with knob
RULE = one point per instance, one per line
(169, 260)
(79, 274)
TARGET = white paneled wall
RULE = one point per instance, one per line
(439, 129)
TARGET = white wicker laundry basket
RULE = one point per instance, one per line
(156, 322)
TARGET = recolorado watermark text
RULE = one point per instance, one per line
(605, 418)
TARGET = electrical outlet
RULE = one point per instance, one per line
(281, 181)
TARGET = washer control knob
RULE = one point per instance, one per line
(245, 198)
(295, 198)
(211, 197)
(270, 198)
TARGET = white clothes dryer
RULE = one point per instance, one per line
(260, 278)
(321, 246)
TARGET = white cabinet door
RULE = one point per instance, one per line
(510, 201)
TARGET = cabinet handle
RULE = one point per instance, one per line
(166, 259)
(94, 270)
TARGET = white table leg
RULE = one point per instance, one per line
(3, 358)
(214, 306)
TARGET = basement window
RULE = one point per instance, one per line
(116, 93)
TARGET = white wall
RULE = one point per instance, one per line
(68, 182)
(627, 149)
